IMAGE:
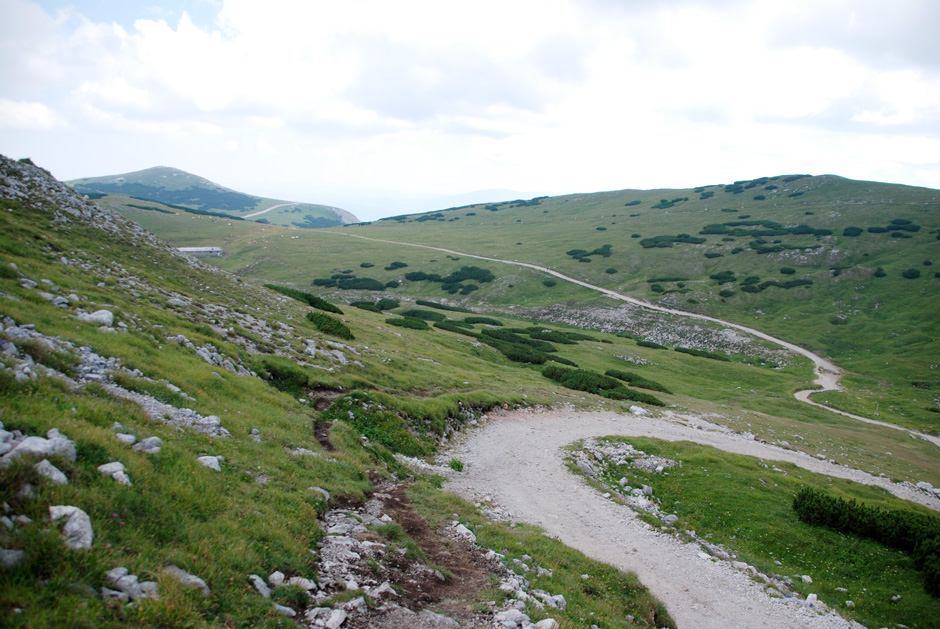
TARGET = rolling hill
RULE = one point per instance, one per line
(842, 267)
(174, 189)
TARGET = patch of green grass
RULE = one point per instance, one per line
(745, 504)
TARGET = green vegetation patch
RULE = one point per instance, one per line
(599, 384)
(330, 325)
(746, 505)
(311, 300)
(636, 380)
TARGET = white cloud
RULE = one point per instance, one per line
(28, 116)
(551, 95)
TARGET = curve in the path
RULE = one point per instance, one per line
(266, 210)
(516, 460)
(827, 373)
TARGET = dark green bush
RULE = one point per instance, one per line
(726, 293)
(636, 380)
(599, 384)
(787, 270)
(366, 265)
(311, 300)
(610, 271)
(667, 278)
(650, 344)
(760, 197)
(549, 283)
(911, 274)
(631, 203)
(657, 288)
(483, 320)
(408, 322)
(880, 272)
(601, 229)
(439, 306)
(713, 254)
(852, 231)
(424, 315)
(330, 325)
(359, 283)
(907, 531)
(395, 265)
(703, 354)
(724, 277)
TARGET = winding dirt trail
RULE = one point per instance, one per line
(517, 460)
(266, 210)
(827, 373)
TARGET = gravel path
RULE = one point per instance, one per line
(516, 459)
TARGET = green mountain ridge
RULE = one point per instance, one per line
(174, 188)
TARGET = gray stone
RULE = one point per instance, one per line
(122, 478)
(77, 532)
(212, 462)
(283, 610)
(301, 582)
(109, 469)
(806, 578)
(850, 604)
(336, 619)
(48, 470)
(811, 600)
(260, 586)
(187, 579)
(150, 589)
(126, 438)
(558, 602)
(671, 519)
(101, 317)
(464, 532)
(150, 445)
(647, 490)
(639, 410)
(276, 578)
(41, 448)
(429, 620)
(113, 595)
(548, 623)
(10, 559)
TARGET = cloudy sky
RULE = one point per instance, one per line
(380, 106)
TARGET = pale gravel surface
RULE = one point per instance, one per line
(517, 459)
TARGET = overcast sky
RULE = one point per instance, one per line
(372, 104)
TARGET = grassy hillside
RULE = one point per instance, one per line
(312, 398)
(175, 190)
(845, 268)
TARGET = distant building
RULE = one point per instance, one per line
(202, 252)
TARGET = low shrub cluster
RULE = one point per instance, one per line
(583, 255)
(330, 325)
(453, 283)
(377, 306)
(908, 531)
(650, 344)
(599, 384)
(350, 282)
(424, 315)
(483, 320)
(307, 298)
(702, 353)
(636, 380)
(408, 322)
(663, 242)
(434, 304)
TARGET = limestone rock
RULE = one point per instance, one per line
(212, 462)
(260, 586)
(283, 610)
(10, 559)
(548, 623)
(276, 578)
(50, 471)
(150, 445)
(77, 533)
(101, 317)
(187, 579)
